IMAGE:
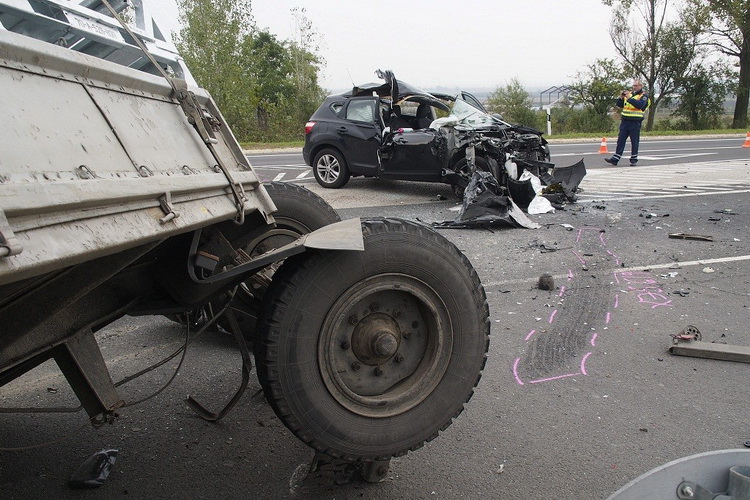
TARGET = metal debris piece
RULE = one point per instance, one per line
(686, 236)
(94, 471)
(688, 344)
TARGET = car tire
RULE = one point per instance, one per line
(330, 169)
(462, 168)
(368, 355)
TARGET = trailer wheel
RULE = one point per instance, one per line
(367, 355)
(299, 211)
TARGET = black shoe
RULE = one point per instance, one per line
(611, 161)
(633, 163)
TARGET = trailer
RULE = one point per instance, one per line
(124, 192)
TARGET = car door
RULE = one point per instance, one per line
(411, 155)
(360, 134)
(473, 101)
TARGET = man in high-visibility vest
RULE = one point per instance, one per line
(634, 105)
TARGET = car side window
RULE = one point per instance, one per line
(361, 111)
(336, 107)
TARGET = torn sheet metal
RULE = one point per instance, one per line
(485, 205)
(569, 178)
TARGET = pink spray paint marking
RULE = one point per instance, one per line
(617, 259)
(593, 339)
(515, 371)
(580, 259)
(553, 378)
(562, 291)
(583, 363)
(617, 300)
(570, 275)
(532, 332)
(607, 318)
(552, 316)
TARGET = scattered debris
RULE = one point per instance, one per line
(682, 293)
(687, 236)
(546, 282)
(441, 197)
(485, 205)
(94, 471)
(688, 344)
(726, 211)
(52, 390)
(708, 270)
(567, 226)
(613, 217)
(502, 467)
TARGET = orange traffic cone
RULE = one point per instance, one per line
(747, 141)
(603, 147)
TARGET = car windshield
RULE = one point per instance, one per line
(467, 114)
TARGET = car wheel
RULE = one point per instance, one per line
(462, 168)
(330, 169)
(367, 355)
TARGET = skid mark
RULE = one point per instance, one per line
(557, 354)
(588, 305)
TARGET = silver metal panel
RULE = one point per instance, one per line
(64, 109)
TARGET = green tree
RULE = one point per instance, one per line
(655, 49)
(727, 25)
(514, 103)
(702, 94)
(215, 42)
(598, 86)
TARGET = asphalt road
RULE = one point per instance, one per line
(288, 165)
(579, 395)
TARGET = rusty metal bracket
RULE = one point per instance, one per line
(688, 343)
(9, 244)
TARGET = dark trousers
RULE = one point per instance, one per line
(628, 129)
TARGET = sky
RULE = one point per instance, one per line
(436, 44)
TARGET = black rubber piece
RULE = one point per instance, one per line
(301, 294)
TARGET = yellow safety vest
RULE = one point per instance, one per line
(630, 111)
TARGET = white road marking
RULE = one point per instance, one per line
(279, 177)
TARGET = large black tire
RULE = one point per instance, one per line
(330, 169)
(298, 211)
(367, 355)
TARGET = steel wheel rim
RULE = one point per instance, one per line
(391, 323)
(328, 168)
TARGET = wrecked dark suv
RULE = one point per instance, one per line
(396, 131)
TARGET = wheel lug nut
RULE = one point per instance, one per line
(406, 335)
(353, 320)
(345, 344)
(378, 371)
(356, 366)
(374, 306)
(399, 358)
(396, 313)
